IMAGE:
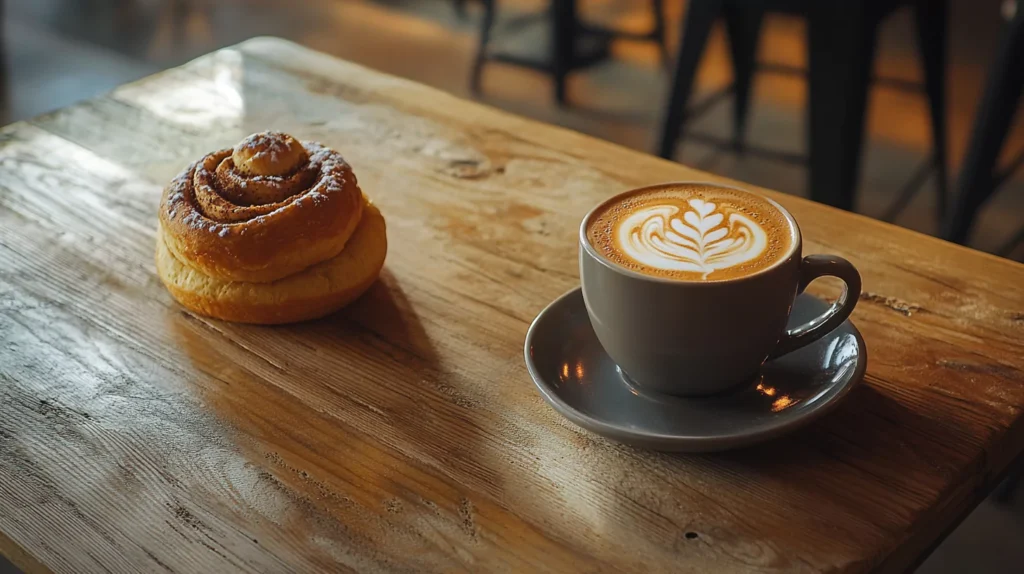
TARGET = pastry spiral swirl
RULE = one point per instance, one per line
(271, 231)
(262, 211)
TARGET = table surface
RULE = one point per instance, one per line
(404, 434)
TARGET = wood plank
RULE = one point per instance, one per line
(403, 434)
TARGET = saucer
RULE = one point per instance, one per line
(577, 378)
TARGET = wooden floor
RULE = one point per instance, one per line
(60, 51)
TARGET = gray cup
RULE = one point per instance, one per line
(699, 338)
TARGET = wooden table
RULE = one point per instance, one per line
(404, 434)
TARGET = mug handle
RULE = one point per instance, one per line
(812, 267)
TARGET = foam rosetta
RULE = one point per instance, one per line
(701, 239)
(691, 232)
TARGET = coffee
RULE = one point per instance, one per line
(689, 286)
(691, 232)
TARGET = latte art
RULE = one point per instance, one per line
(691, 232)
(701, 239)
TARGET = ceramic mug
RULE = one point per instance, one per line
(702, 337)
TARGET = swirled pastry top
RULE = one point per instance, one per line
(268, 208)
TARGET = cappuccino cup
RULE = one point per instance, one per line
(689, 286)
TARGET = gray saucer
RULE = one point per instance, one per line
(581, 382)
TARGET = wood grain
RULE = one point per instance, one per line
(403, 434)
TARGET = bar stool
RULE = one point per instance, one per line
(980, 176)
(573, 44)
(841, 49)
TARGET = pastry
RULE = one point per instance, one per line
(272, 231)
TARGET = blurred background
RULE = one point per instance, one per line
(898, 97)
(617, 82)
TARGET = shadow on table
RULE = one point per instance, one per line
(868, 426)
(352, 417)
(873, 456)
(7, 568)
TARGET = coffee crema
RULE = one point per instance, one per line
(690, 232)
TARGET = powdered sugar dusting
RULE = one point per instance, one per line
(207, 205)
(270, 141)
(316, 197)
(270, 145)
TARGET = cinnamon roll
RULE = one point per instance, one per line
(271, 231)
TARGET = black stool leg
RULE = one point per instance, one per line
(563, 42)
(931, 18)
(4, 87)
(1006, 491)
(486, 24)
(460, 8)
(179, 10)
(700, 17)
(658, 6)
(995, 115)
(842, 46)
(743, 24)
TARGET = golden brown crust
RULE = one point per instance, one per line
(314, 292)
(268, 153)
(217, 219)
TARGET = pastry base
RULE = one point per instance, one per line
(311, 293)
